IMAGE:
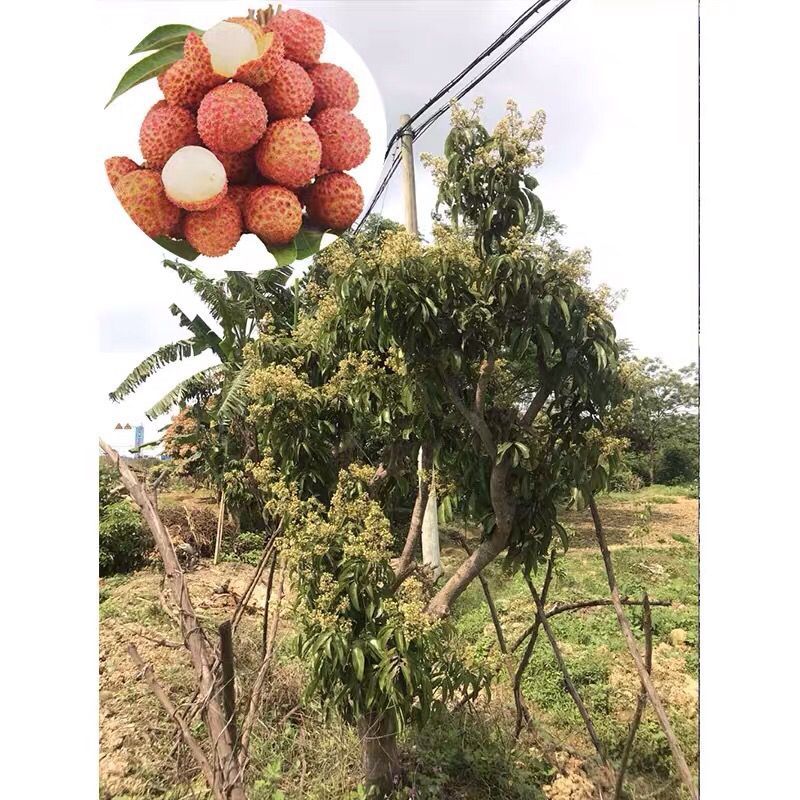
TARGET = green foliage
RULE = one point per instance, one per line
(123, 544)
(248, 547)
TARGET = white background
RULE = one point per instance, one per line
(55, 274)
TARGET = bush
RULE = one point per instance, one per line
(675, 466)
(123, 544)
(625, 480)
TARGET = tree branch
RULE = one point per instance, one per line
(476, 420)
(539, 399)
(486, 372)
(418, 513)
(630, 640)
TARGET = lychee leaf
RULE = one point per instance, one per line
(178, 247)
(284, 254)
(164, 35)
(149, 67)
(308, 242)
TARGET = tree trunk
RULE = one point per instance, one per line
(379, 756)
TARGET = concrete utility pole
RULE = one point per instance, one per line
(430, 522)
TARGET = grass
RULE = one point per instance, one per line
(469, 754)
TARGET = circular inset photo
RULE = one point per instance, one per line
(246, 142)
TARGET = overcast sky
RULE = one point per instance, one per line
(618, 81)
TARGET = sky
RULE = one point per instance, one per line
(616, 78)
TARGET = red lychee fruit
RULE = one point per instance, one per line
(239, 195)
(289, 94)
(273, 213)
(117, 166)
(164, 130)
(303, 35)
(334, 201)
(183, 84)
(231, 118)
(216, 231)
(345, 141)
(142, 195)
(289, 154)
(239, 167)
(334, 87)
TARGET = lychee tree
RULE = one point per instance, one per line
(488, 342)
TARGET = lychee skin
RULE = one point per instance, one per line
(239, 195)
(273, 213)
(345, 141)
(289, 94)
(239, 167)
(231, 118)
(334, 87)
(264, 68)
(216, 231)
(334, 201)
(164, 130)
(290, 153)
(117, 166)
(183, 84)
(303, 35)
(142, 196)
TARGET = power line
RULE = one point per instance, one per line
(429, 121)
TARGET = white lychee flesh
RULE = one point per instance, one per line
(230, 46)
(193, 175)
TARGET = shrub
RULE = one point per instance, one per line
(123, 544)
(676, 465)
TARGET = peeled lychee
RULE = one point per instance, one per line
(273, 213)
(117, 166)
(303, 35)
(184, 84)
(239, 167)
(345, 141)
(164, 130)
(334, 87)
(216, 231)
(334, 201)
(231, 118)
(236, 48)
(194, 178)
(289, 153)
(142, 195)
(289, 94)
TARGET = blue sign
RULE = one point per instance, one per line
(139, 435)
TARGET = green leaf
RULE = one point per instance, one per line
(162, 36)
(149, 67)
(177, 247)
(284, 254)
(307, 242)
(357, 657)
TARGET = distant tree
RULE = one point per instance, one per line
(663, 419)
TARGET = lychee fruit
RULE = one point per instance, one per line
(142, 195)
(303, 35)
(164, 130)
(345, 141)
(216, 231)
(289, 153)
(289, 94)
(334, 201)
(273, 213)
(231, 118)
(183, 84)
(334, 87)
(117, 166)
(239, 195)
(236, 48)
(239, 167)
(194, 178)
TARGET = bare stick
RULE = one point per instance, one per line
(220, 526)
(418, 512)
(265, 628)
(192, 743)
(523, 664)
(647, 624)
(248, 592)
(560, 608)
(228, 673)
(571, 688)
(630, 641)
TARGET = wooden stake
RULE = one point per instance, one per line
(220, 526)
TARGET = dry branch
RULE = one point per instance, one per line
(647, 624)
(630, 641)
